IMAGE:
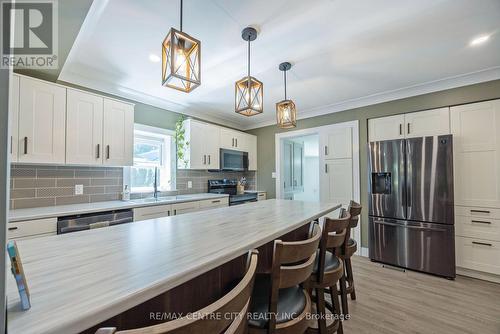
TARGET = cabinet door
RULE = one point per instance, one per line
(152, 212)
(181, 208)
(14, 117)
(386, 128)
(211, 138)
(241, 141)
(476, 137)
(196, 157)
(252, 152)
(298, 166)
(118, 138)
(42, 122)
(227, 139)
(84, 128)
(338, 186)
(339, 144)
(428, 123)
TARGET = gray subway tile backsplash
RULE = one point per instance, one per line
(36, 186)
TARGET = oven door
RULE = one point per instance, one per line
(233, 160)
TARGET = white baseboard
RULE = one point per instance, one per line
(479, 275)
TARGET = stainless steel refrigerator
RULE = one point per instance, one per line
(411, 213)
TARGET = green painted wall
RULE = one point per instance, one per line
(266, 135)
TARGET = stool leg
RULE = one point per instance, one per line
(334, 295)
(320, 297)
(343, 295)
(350, 278)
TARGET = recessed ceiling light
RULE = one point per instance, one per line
(479, 40)
(154, 58)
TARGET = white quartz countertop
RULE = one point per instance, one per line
(77, 280)
(76, 209)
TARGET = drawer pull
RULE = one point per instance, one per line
(218, 201)
(480, 211)
(482, 243)
(480, 222)
(12, 228)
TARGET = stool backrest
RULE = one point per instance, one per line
(227, 315)
(355, 211)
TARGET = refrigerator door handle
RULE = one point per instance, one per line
(410, 226)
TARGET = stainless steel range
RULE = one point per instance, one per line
(411, 211)
(229, 187)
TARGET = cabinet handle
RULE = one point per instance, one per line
(218, 201)
(480, 222)
(482, 243)
(107, 151)
(12, 228)
(401, 129)
(98, 155)
(175, 212)
(25, 145)
(326, 150)
(480, 211)
(168, 213)
(408, 128)
(326, 168)
(236, 140)
(209, 159)
(232, 143)
(204, 159)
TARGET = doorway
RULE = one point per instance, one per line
(320, 164)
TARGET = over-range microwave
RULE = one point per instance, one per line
(233, 160)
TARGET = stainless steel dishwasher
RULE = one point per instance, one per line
(89, 221)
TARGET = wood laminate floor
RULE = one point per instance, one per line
(389, 301)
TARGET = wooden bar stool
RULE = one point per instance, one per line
(279, 303)
(350, 247)
(328, 270)
(227, 315)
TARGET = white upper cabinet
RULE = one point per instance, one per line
(233, 140)
(476, 136)
(339, 144)
(84, 127)
(417, 124)
(118, 138)
(14, 117)
(386, 128)
(428, 123)
(42, 122)
(252, 152)
(202, 152)
(338, 181)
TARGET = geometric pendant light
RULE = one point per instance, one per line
(286, 113)
(248, 90)
(181, 68)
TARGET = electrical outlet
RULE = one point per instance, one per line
(190, 184)
(78, 189)
(273, 175)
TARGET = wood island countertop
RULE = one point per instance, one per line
(78, 280)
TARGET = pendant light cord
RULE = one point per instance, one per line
(249, 59)
(181, 16)
(284, 72)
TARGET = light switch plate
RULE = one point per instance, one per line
(190, 184)
(78, 189)
(273, 175)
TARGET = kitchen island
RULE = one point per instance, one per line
(80, 280)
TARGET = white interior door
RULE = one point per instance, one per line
(84, 128)
(42, 122)
(118, 138)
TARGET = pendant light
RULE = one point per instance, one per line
(248, 90)
(181, 60)
(286, 113)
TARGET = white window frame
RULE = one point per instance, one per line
(151, 131)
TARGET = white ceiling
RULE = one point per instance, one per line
(344, 53)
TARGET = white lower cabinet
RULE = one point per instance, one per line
(261, 196)
(180, 208)
(31, 228)
(478, 254)
(152, 212)
(214, 203)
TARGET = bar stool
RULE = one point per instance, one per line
(235, 303)
(328, 270)
(350, 247)
(279, 304)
